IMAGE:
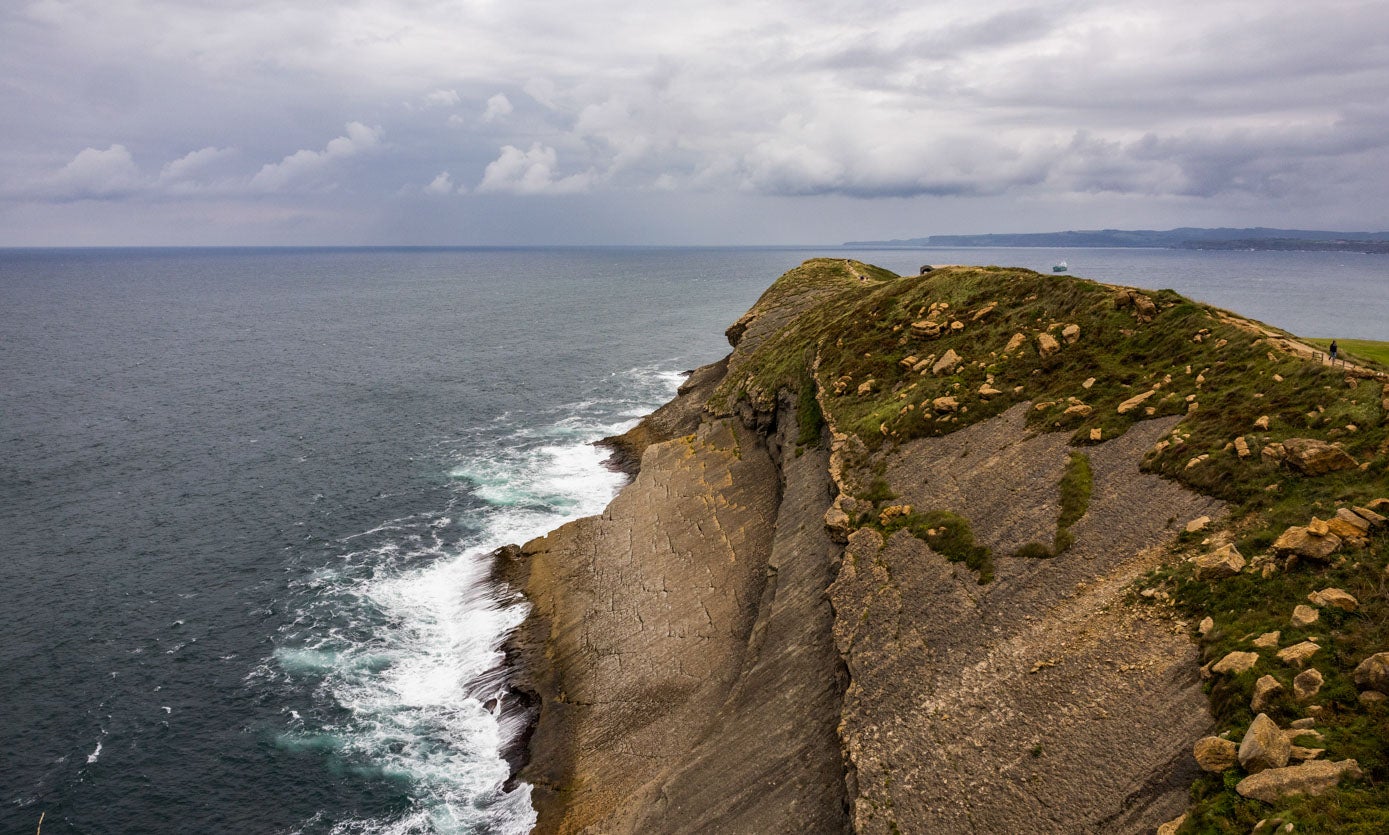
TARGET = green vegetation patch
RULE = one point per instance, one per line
(1367, 352)
(948, 534)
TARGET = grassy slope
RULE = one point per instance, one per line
(1364, 351)
(861, 331)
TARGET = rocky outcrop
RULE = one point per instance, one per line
(1312, 778)
(1314, 457)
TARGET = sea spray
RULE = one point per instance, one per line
(400, 635)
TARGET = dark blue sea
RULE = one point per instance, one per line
(246, 498)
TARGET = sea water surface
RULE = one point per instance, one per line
(247, 497)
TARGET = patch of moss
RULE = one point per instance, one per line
(950, 535)
(808, 415)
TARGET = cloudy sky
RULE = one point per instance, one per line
(704, 122)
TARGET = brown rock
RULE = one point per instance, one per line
(1369, 698)
(1348, 525)
(1265, 690)
(943, 405)
(1262, 423)
(1171, 827)
(1047, 344)
(1214, 754)
(1070, 333)
(1217, 565)
(927, 328)
(1376, 520)
(1198, 524)
(1235, 662)
(1304, 616)
(1096, 433)
(1273, 453)
(1297, 654)
(1301, 754)
(1145, 306)
(1135, 401)
(1339, 598)
(984, 311)
(1318, 527)
(1264, 746)
(1373, 673)
(1307, 684)
(1311, 778)
(1080, 409)
(1015, 343)
(1206, 625)
(1313, 457)
(1268, 640)
(1300, 541)
(947, 363)
(866, 387)
(909, 360)
(1242, 447)
(893, 511)
(986, 391)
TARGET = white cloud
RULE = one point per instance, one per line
(497, 107)
(303, 165)
(530, 172)
(442, 184)
(442, 98)
(194, 163)
(95, 173)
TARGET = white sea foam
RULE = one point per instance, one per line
(95, 755)
(404, 632)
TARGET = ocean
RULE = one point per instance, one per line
(247, 498)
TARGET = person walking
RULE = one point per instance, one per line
(1333, 350)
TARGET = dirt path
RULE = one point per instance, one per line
(1291, 345)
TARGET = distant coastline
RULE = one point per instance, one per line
(1257, 238)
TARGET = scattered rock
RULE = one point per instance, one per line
(1376, 520)
(1242, 447)
(943, 405)
(1303, 543)
(1265, 690)
(1268, 640)
(928, 328)
(947, 363)
(986, 391)
(1373, 673)
(1206, 625)
(1303, 724)
(866, 387)
(1304, 616)
(1307, 684)
(1339, 598)
(1171, 827)
(1217, 565)
(1089, 381)
(1214, 754)
(957, 326)
(1096, 434)
(1264, 746)
(1198, 524)
(1273, 453)
(984, 311)
(1134, 402)
(1015, 343)
(1079, 409)
(1312, 778)
(1236, 662)
(1313, 457)
(1370, 698)
(1047, 344)
(1261, 423)
(1070, 333)
(1145, 306)
(909, 361)
(1297, 654)
(893, 511)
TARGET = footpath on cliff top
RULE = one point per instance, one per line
(978, 550)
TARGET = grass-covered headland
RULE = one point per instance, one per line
(884, 359)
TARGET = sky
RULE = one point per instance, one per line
(539, 122)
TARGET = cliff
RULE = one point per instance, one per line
(927, 554)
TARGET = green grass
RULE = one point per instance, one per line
(1363, 351)
(948, 534)
(809, 418)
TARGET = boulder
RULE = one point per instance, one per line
(1318, 527)
(1264, 746)
(866, 387)
(1350, 528)
(1047, 344)
(986, 391)
(1205, 626)
(1171, 827)
(1339, 598)
(1015, 343)
(1198, 524)
(943, 405)
(1078, 410)
(1070, 333)
(1144, 305)
(1373, 673)
(1261, 423)
(1304, 616)
(1376, 520)
(1214, 754)
(1311, 778)
(1266, 689)
(1302, 542)
(1217, 565)
(927, 328)
(1135, 401)
(947, 363)
(1307, 684)
(1298, 654)
(1268, 640)
(1313, 457)
(1242, 447)
(1235, 662)
(1273, 453)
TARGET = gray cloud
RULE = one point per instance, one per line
(1194, 109)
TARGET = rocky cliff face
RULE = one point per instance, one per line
(851, 588)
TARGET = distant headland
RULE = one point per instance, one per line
(1260, 238)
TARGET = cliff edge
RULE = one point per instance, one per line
(928, 553)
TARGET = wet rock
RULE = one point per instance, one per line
(1373, 673)
(1313, 457)
(1310, 778)
(1214, 754)
(1307, 684)
(1264, 746)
